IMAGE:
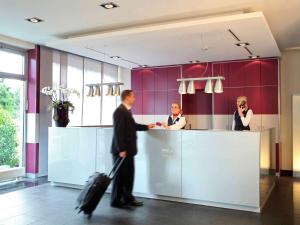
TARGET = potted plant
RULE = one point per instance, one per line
(60, 103)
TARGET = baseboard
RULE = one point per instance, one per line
(32, 175)
(286, 173)
(296, 174)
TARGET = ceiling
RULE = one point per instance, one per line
(74, 25)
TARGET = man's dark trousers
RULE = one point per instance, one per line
(123, 182)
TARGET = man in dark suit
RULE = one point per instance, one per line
(124, 144)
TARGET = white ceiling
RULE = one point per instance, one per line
(65, 18)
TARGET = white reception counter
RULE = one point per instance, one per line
(217, 168)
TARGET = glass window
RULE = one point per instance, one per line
(11, 62)
(75, 80)
(91, 105)
(109, 104)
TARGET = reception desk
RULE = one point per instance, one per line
(217, 168)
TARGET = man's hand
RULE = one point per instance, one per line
(241, 110)
(123, 154)
(150, 126)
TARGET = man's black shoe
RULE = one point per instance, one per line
(119, 205)
(136, 203)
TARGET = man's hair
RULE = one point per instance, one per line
(125, 94)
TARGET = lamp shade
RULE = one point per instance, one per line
(182, 88)
(219, 86)
(97, 91)
(117, 90)
(209, 87)
(91, 91)
(110, 91)
(191, 88)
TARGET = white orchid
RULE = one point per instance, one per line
(59, 94)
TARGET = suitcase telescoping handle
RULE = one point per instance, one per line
(116, 167)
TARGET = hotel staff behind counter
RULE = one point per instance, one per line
(175, 121)
(242, 116)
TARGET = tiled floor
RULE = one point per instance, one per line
(21, 184)
(45, 205)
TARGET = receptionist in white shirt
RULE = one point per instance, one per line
(243, 115)
(175, 121)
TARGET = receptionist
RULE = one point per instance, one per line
(243, 115)
(176, 120)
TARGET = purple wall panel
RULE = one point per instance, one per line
(148, 102)
(236, 72)
(197, 70)
(173, 96)
(136, 80)
(33, 91)
(254, 98)
(173, 75)
(269, 72)
(148, 80)
(222, 69)
(269, 100)
(161, 103)
(250, 77)
(252, 73)
(32, 157)
(137, 108)
(189, 104)
(221, 102)
(161, 79)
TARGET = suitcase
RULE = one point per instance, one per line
(94, 189)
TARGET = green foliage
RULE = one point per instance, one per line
(8, 140)
(9, 110)
(9, 101)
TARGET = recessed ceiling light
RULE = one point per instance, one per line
(109, 5)
(194, 61)
(144, 66)
(242, 44)
(115, 57)
(34, 20)
(254, 56)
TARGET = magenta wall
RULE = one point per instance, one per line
(33, 93)
(156, 88)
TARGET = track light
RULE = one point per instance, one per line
(110, 91)
(182, 88)
(191, 88)
(97, 91)
(219, 86)
(209, 87)
(117, 90)
(91, 91)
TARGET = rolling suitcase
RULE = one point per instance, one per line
(94, 189)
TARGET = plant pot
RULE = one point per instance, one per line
(61, 116)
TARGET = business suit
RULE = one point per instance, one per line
(124, 139)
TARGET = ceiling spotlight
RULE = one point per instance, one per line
(110, 91)
(242, 44)
(254, 56)
(117, 90)
(182, 88)
(208, 87)
(191, 88)
(219, 86)
(115, 57)
(34, 20)
(194, 61)
(109, 5)
(144, 66)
